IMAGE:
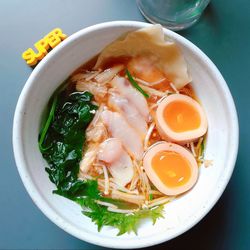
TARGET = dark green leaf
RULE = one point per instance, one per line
(47, 124)
(63, 139)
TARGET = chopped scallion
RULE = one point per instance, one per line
(135, 84)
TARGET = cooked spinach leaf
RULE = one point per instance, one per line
(62, 139)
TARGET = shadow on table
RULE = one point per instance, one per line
(209, 18)
(206, 234)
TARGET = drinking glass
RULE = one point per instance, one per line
(173, 14)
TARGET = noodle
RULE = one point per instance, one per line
(159, 201)
(106, 186)
(108, 74)
(122, 211)
(147, 137)
(136, 199)
(149, 83)
(192, 149)
(106, 204)
(134, 182)
(153, 91)
(198, 146)
(174, 88)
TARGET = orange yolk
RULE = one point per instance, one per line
(172, 168)
(181, 116)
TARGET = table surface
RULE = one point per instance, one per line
(223, 33)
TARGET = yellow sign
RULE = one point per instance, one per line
(43, 46)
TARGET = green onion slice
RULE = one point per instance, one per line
(135, 84)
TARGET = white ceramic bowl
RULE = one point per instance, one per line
(181, 214)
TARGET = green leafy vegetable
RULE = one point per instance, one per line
(47, 124)
(61, 141)
(135, 84)
(124, 222)
(151, 197)
(87, 196)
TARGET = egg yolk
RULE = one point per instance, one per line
(181, 116)
(172, 168)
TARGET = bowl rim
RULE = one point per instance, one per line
(37, 198)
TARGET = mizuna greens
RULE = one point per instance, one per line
(62, 143)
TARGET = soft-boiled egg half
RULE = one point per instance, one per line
(180, 118)
(170, 167)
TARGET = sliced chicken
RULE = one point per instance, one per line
(118, 161)
(119, 128)
(132, 115)
(122, 170)
(110, 150)
(96, 133)
(132, 95)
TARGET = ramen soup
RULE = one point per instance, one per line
(124, 134)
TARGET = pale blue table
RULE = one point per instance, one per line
(223, 34)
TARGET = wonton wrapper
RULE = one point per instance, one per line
(151, 41)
